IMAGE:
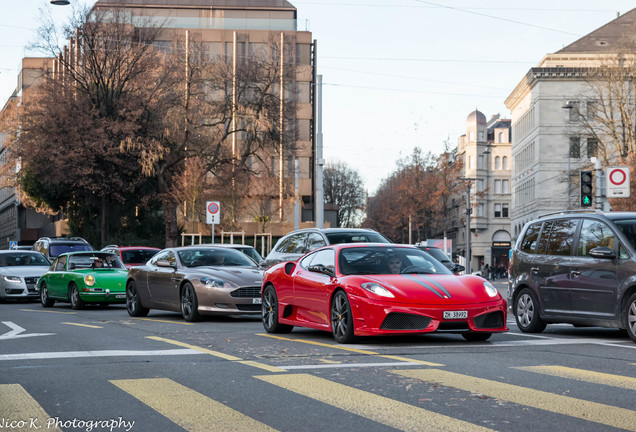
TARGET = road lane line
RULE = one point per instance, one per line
(347, 365)
(355, 350)
(628, 383)
(17, 405)
(103, 353)
(569, 406)
(187, 408)
(48, 311)
(82, 325)
(164, 321)
(219, 354)
(389, 412)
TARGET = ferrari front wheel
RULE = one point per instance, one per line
(270, 312)
(342, 318)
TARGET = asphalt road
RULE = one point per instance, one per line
(99, 369)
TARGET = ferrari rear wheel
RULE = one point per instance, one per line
(527, 312)
(342, 318)
(133, 302)
(47, 302)
(76, 301)
(477, 337)
(189, 303)
(270, 312)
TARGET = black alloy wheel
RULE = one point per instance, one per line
(630, 316)
(342, 318)
(189, 303)
(76, 301)
(133, 302)
(527, 312)
(47, 302)
(270, 312)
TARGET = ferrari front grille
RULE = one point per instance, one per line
(489, 320)
(452, 326)
(247, 292)
(404, 321)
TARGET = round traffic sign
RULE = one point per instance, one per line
(213, 208)
(617, 176)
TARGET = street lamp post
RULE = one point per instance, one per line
(468, 250)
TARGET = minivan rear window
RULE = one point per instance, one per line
(628, 228)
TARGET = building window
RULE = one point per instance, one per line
(481, 136)
(471, 136)
(591, 110)
(504, 163)
(497, 210)
(480, 210)
(500, 137)
(575, 147)
(480, 185)
(505, 186)
(574, 112)
(480, 162)
(497, 186)
(592, 145)
(497, 163)
(504, 210)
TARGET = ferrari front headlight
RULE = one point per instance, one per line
(377, 289)
(89, 280)
(491, 290)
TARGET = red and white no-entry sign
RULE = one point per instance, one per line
(617, 182)
(213, 212)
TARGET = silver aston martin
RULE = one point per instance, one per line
(195, 280)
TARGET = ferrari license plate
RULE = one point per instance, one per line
(256, 300)
(120, 296)
(455, 314)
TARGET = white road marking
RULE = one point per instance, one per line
(102, 353)
(15, 331)
(349, 365)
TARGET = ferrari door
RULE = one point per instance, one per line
(313, 285)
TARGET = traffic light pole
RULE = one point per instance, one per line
(598, 196)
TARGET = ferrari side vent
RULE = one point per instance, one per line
(404, 321)
(489, 320)
(247, 292)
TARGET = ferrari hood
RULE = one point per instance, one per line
(435, 288)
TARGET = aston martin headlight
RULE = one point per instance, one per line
(14, 279)
(214, 282)
(377, 289)
(89, 280)
(491, 290)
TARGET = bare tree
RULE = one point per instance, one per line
(343, 187)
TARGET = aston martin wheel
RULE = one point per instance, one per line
(527, 312)
(477, 337)
(47, 302)
(341, 318)
(133, 302)
(76, 301)
(630, 317)
(189, 303)
(270, 312)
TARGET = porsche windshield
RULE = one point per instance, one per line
(388, 260)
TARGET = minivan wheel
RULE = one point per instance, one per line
(527, 312)
(630, 316)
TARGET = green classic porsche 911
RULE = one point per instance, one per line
(84, 277)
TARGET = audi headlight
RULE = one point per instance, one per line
(14, 279)
(377, 289)
(491, 290)
(89, 280)
(215, 283)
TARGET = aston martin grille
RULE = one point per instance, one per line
(404, 321)
(247, 292)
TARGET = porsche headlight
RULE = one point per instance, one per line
(214, 282)
(89, 280)
(491, 290)
(377, 289)
(14, 279)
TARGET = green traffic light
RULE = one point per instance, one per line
(586, 200)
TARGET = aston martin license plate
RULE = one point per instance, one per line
(455, 314)
(256, 300)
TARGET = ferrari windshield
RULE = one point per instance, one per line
(388, 260)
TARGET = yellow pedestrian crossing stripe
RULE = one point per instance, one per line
(21, 412)
(189, 409)
(592, 411)
(392, 413)
(628, 383)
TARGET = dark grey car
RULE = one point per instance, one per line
(297, 243)
(577, 268)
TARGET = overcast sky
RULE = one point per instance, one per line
(397, 74)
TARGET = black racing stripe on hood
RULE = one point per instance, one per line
(434, 282)
(421, 282)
